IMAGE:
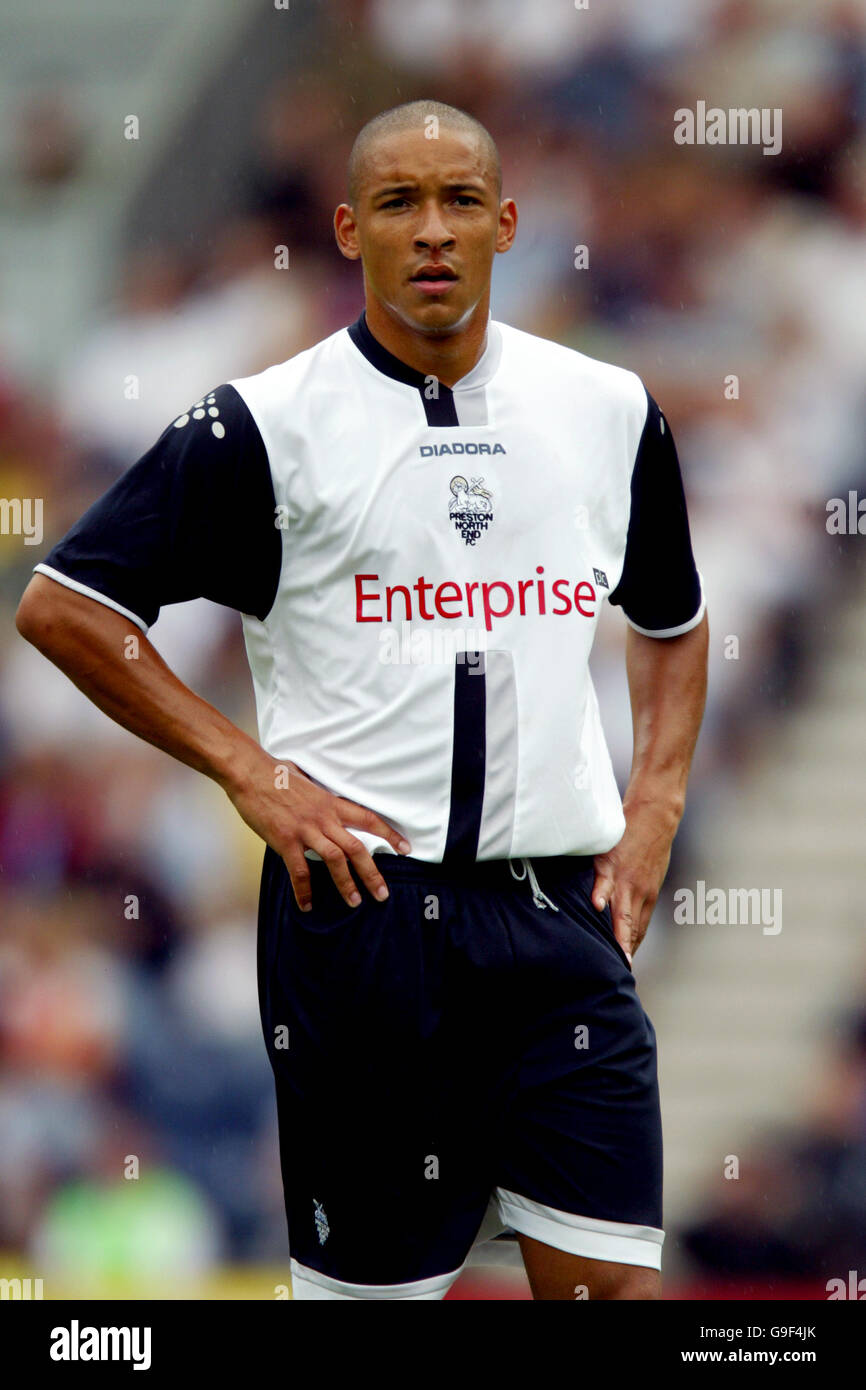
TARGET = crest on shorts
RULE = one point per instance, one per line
(323, 1230)
(470, 507)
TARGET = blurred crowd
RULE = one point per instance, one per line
(731, 281)
(796, 1207)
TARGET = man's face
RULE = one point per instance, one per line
(426, 225)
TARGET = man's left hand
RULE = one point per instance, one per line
(630, 875)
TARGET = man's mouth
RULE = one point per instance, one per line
(434, 279)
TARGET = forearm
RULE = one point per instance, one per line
(129, 681)
(667, 680)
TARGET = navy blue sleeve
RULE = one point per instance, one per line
(195, 517)
(659, 588)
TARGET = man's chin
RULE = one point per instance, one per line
(435, 319)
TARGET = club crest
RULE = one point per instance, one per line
(470, 507)
(323, 1230)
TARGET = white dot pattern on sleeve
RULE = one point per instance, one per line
(198, 412)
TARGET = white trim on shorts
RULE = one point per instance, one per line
(616, 1241)
(309, 1284)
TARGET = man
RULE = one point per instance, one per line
(460, 1048)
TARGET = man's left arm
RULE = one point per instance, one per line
(667, 681)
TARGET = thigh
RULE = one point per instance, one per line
(381, 1136)
(555, 1274)
(581, 1164)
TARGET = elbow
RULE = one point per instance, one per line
(32, 617)
(24, 620)
(27, 626)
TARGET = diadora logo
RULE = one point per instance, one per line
(439, 450)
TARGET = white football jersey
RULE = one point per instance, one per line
(420, 572)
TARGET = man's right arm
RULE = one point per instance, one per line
(115, 665)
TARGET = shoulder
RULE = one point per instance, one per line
(279, 382)
(566, 368)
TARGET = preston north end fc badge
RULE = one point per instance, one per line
(470, 507)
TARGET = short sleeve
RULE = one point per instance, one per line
(195, 517)
(660, 588)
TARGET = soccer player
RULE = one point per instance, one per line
(419, 519)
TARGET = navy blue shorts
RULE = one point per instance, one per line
(460, 1059)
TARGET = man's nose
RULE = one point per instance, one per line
(433, 229)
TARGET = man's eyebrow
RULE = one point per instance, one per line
(472, 184)
(405, 187)
(410, 185)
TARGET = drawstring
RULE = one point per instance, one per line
(538, 897)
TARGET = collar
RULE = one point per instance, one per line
(440, 410)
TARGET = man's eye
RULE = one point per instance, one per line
(460, 198)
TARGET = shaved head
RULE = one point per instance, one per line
(425, 218)
(422, 116)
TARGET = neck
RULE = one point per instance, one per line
(447, 357)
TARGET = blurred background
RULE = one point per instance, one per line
(152, 156)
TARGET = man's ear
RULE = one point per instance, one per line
(507, 224)
(346, 232)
